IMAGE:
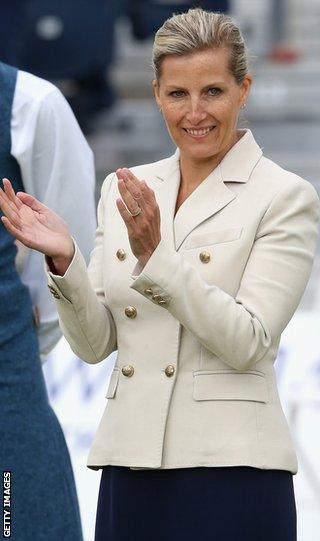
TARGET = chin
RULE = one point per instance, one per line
(204, 153)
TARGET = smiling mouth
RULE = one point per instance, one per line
(199, 133)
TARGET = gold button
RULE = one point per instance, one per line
(148, 291)
(156, 298)
(162, 301)
(170, 370)
(127, 370)
(205, 257)
(54, 292)
(121, 254)
(130, 311)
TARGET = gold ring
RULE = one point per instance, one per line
(136, 213)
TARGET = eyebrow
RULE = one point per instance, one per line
(211, 85)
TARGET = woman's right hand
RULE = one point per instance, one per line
(35, 225)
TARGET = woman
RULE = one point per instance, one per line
(196, 271)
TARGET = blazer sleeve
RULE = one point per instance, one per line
(84, 316)
(241, 330)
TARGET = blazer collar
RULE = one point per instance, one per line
(236, 166)
(210, 196)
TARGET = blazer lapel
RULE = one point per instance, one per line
(205, 201)
(167, 196)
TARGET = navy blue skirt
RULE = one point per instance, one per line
(196, 504)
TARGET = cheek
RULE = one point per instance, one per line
(172, 114)
(226, 112)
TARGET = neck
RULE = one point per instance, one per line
(194, 171)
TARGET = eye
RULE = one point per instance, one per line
(177, 93)
(214, 91)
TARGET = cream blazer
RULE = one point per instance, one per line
(198, 330)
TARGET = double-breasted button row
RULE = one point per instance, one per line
(169, 370)
(54, 292)
(131, 311)
(128, 370)
(121, 254)
(205, 257)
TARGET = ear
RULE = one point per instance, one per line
(245, 88)
(156, 91)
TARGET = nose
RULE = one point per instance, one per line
(196, 112)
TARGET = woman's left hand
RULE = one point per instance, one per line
(143, 229)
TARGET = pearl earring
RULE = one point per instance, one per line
(243, 106)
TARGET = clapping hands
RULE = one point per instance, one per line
(140, 212)
(41, 229)
(34, 224)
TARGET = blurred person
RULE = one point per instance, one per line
(196, 271)
(279, 49)
(43, 151)
(42, 37)
(147, 15)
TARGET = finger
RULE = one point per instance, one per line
(31, 202)
(131, 204)
(11, 193)
(121, 174)
(131, 176)
(14, 231)
(132, 180)
(147, 193)
(127, 217)
(5, 199)
(7, 209)
(134, 186)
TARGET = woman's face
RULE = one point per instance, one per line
(200, 102)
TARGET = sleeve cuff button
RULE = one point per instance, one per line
(54, 292)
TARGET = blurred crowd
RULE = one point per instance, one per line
(75, 41)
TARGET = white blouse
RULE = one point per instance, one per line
(57, 168)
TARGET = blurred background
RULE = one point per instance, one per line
(99, 54)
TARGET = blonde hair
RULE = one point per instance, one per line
(197, 30)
